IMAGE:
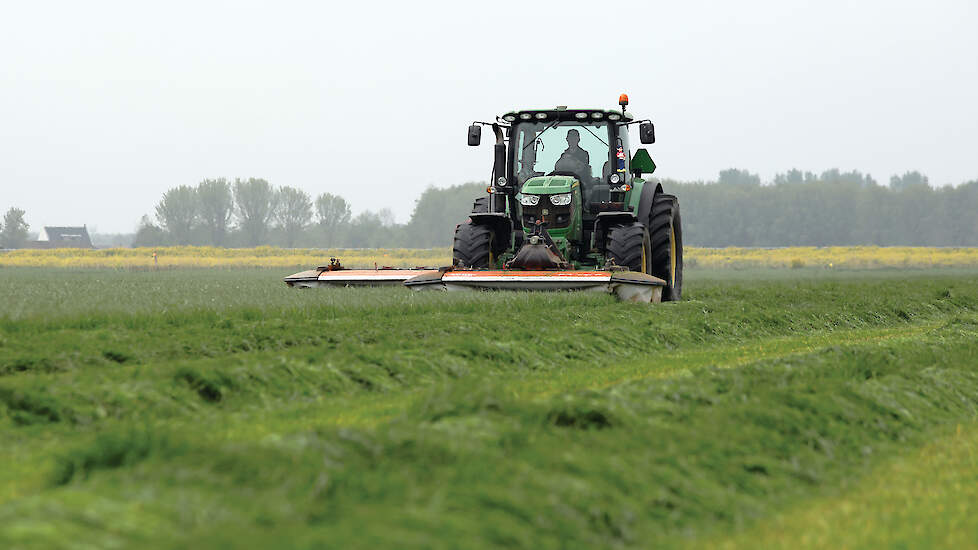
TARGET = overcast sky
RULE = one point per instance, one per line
(104, 106)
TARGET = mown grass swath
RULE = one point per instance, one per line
(221, 408)
(922, 499)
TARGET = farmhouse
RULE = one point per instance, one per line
(63, 237)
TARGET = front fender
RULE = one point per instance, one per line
(646, 199)
(605, 220)
(501, 226)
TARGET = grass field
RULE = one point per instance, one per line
(804, 408)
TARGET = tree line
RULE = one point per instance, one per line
(251, 212)
(245, 212)
(829, 209)
(796, 208)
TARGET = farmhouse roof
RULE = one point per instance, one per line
(74, 236)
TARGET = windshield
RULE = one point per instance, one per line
(569, 147)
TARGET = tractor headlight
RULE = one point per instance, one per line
(562, 199)
(530, 200)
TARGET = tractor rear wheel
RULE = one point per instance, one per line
(666, 229)
(629, 246)
(473, 246)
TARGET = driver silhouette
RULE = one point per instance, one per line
(574, 150)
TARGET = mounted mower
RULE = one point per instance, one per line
(568, 209)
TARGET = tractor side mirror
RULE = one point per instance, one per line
(646, 132)
(475, 134)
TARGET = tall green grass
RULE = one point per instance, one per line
(383, 418)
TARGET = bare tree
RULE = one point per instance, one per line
(216, 206)
(254, 204)
(293, 212)
(14, 229)
(177, 212)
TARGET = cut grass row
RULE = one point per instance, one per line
(81, 370)
(418, 416)
(108, 319)
(924, 499)
(156, 398)
(649, 462)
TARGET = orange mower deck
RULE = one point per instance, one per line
(626, 285)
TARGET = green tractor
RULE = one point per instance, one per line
(566, 196)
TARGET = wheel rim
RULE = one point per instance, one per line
(646, 268)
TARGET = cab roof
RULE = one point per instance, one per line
(566, 113)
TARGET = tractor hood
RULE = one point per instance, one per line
(552, 207)
(548, 185)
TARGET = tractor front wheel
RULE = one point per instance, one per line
(473, 246)
(629, 246)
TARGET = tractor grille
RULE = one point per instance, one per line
(556, 216)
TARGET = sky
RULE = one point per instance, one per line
(106, 105)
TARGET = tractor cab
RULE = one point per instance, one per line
(581, 144)
(590, 145)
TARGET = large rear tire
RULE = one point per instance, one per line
(473, 246)
(666, 229)
(629, 246)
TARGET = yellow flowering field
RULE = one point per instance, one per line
(208, 256)
(840, 257)
(852, 257)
